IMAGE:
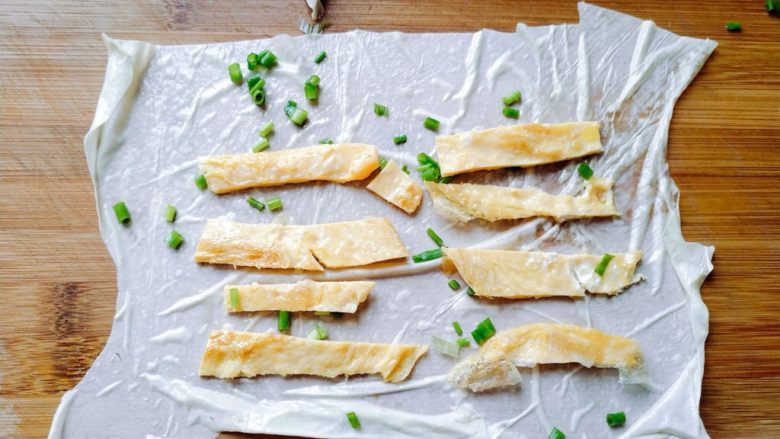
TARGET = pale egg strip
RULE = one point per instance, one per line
(232, 354)
(520, 274)
(464, 202)
(305, 295)
(277, 246)
(517, 145)
(340, 162)
(495, 363)
(397, 188)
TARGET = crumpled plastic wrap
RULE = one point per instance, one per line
(163, 106)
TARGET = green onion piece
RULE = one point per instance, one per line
(585, 171)
(382, 162)
(170, 213)
(399, 139)
(434, 237)
(251, 61)
(318, 333)
(266, 59)
(261, 146)
(314, 79)
(283, 324)
(454, 285)
(556, 434)
(602, 266)
(428, 255)
(616, 419)
(405, 168)
(445, 347)
(266, 129)
(483, 331)
(290, 108)
(773, 7)
(512, 113)
(321, 57)
(431, 123)
(235, 73)
(734, 26)
(429, 168)
(381, 110)
(463, 342)
(458, 329)
(470, 291)
(253, 80)
(254, 202)
(175, 240)
(311, 88)
(512, 98)
(327, 141)
(274, 204)
(296, 115)
(121, 212)
(353, 420)
(258, 93)
(322, 313)
(235, 299)
(201, 183)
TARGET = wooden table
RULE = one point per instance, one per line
(57, 282)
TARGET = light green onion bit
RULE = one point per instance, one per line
(175, 240)
(428, 255)
(463, 342)
(201, 183)
(318, 332)
(381, 110)
(445, 347)
(261, 146)
(602, 266)
(235, 73)
(456, 326)
(121, 212)
(454, 285)
(235, 299)
(512, 98)
(327, 141)
(274, 204)
(170, 213)
(266, 129)
(353, 420)
(382, 162)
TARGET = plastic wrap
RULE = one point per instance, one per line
(163, 106)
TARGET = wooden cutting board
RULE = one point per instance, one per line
(57, 283)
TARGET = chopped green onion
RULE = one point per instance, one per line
(431, 123)
(251, 61)
(296, 115)
(429, 168)
(512, 98)
(121, 212)
(470, 291)
(283, 323)
(428, 255)
(512, 113)
(322, 313)
(254, 202)
(266, 129)
(454, 285)
(311, 88)
(585, 171)
(463, 342)
(327, 141)
(458, 329)
(274, 204)
(602, 266)
(353, 420)
(261, 146)
(733, 26)
(434, 237)
(318, 333)
(235, 73)
(382, 162)
(445, 347)
(483, 331)
(405, 168)
(321, 57)
(772, 7)
(381, 110)
(175, 240)
(266, 59)
(253, 80)
(201, 183)
(235, 299)
(399, 139)
(170, 213)
(556, 434)
(616, 419)
(258, 93)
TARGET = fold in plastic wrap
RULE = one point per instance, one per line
(163, 107)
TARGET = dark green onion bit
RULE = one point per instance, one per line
(585, 171)
(431, 123)
(254, 202)
(266, 59)
(201, 183)
(734, 26)
(428, 255)
(454, 285)
(175, 240)
(483, 331)
(381, 110)
(283, 324)
(773, 7)
(616, 419)
(121, 212)
(429, 168)
(602, 265)
(353, 420)
(399, 139)
(512, 113)
(434, 237)
(320, 58)
(470, 291)
(556, 434)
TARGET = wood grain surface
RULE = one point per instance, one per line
(57, 282)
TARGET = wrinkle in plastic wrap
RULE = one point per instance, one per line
(164, 106)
